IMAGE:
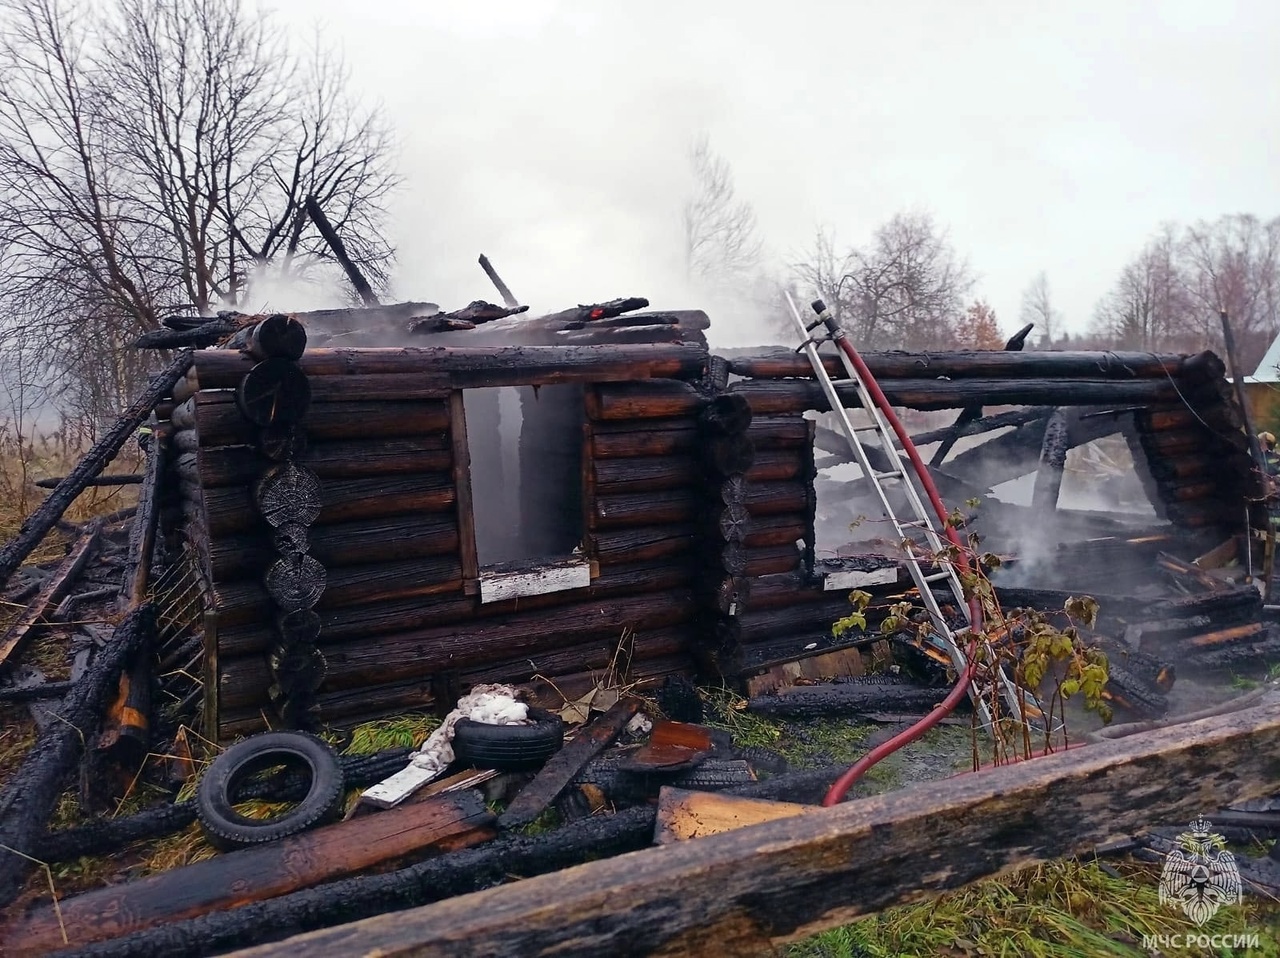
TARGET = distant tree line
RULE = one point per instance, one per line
(908, 287)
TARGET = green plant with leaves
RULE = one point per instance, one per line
(1045, 654)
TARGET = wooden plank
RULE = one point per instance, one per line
(683, 815)
(462, 487)
(566, 763)
(748, 891)
(21, 631)
(255, 874)
(497, 586)
(142, 533)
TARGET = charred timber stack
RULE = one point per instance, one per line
(727, 453)
(1187, 422)
(402, 624)
(274, 396)
(643, 503)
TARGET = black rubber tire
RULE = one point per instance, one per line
(221, 787)
(509, 748)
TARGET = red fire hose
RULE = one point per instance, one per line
(842, 785)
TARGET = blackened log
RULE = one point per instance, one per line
(449, 874)
(776, 465)
(230, 510)
(353, 622)
(209, 334)
(241, 602)
(1131, 693)
(402, 656)
(1175, 442)
(1014, 417)
(475, 313)
(728, 455)
(277, 336)
(258, 873)
(779, 432)
(498, 284)
(868, 694)
(339, 249)
(349, 459)
(614, 547)
(595, 655)
(28, 799)
(725, 415)
(661, 399)
(732, 595)
(660, 437)
(1220, 417)
(52, 483)
(1053, 459)
(440, 323)
(471, 367)
(646, 474)
(344, 544)
(633, 509)
(183, 415)
(776, 396)
(220, 423)
(776, 530)
(773, 498)
(1260, 650)
(560, 769)
(1066, 364)
(732, 522)
(274, 392)
(32, 693)
(1002, 457)
(38, 524)
(1241, 600)
(730, 558)
(15, 638)
(772, 560)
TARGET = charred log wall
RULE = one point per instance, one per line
(401, 623)
(1188, 430)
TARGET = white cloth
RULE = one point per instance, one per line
(491, 704)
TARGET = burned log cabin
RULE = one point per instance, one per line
(376, 526)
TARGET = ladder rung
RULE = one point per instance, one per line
(891, 474)
(915, 524)
(937, 576)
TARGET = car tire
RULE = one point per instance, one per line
(221, 784)
(509, 748)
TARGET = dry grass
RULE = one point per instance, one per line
(22, 465)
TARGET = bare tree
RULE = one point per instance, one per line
(156, 155)
(906, 289)
(1038, 308)
(722, 248)
(1233, 263)
(1148, 308)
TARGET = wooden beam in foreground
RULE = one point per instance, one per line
(746, 891)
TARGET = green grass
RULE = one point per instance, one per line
(1063, 909)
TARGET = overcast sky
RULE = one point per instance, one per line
(552, 135)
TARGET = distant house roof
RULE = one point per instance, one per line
(1268, 370)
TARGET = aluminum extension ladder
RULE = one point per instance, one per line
(941, 636)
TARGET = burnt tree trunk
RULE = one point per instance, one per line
(28, 800)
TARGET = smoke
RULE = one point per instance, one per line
(269, 289)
